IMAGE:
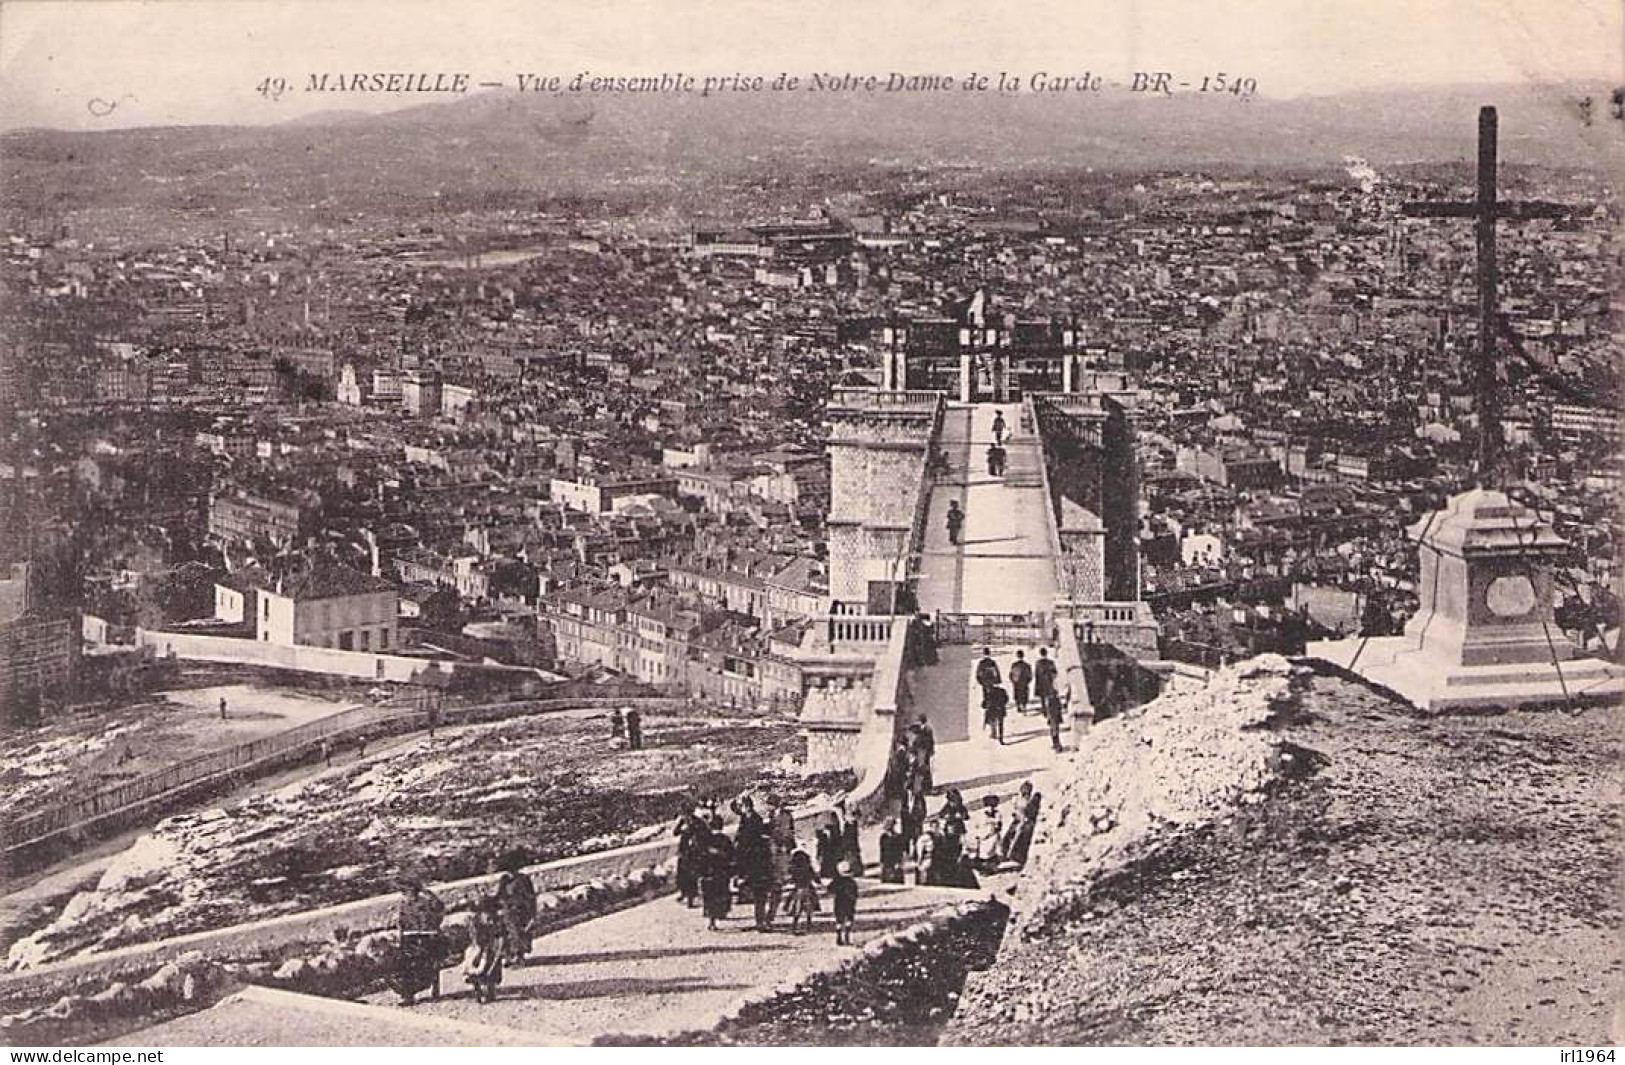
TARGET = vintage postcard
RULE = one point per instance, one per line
(731, 523)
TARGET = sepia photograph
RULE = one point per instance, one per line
(718, 523)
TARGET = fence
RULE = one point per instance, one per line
(860, 628)
(37, 827)
(1030, 628)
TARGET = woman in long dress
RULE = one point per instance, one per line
(829, 844)
(517, 896)
(692, 836)
(851, 847)
(716, 882)
(893, 845)
(421, 947)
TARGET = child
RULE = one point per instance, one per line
(483, 965)
(803, 891)
(843, 889)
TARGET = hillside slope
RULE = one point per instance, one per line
(1427, 881)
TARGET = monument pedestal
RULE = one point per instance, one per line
(1484, 635)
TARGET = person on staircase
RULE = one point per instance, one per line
(1044, 674)
(1021, 681)
(995, 704)
(987, 672)
(893, 848)
(1053, 715)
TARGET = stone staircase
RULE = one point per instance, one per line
(1024, 459)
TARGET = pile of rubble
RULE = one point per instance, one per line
(1173, 763)
(1289, 859)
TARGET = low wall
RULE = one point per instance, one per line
(361, 665)
(1069, 664)
(892, 700)
(357, 917)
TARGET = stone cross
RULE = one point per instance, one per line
(1486, 210)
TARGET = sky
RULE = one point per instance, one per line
(101, 64)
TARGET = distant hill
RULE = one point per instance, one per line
(501, 144)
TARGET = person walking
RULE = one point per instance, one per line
(693, 837)
(956, 521)
(987, 671)
(753, 858)
(851, 846)
(222, 709)
(995, 701)
(923, 748)
(420, 949)
(1021, 681)
(517, 897)
(716, 882)
(617, 724)
(634, 729)
(828, 844)
(1043, 674)
(781, 828)
(1052, 717)
(913, 821)
(928, 640)
(482, 967)
(843, 892)
(893, 848)
(999, 427)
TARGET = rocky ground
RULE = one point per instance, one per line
(547, 787)
(1377, 877)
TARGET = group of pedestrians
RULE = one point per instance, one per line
(950, 847)
(998, 459)
(1030, 682)
(762, 864)
(501, 930)
(627, 724)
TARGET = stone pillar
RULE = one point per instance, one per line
(1067, 358)
(888, 371)
(964, 376)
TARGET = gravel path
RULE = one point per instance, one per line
(1443, 881)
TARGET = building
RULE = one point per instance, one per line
(39, 659)
(14, 589)
(420, 393)
(1236, 469)
(251, 517)
(348, 391)
(594, 495)
(458, 402)
(1572, 421)
(328, 606)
